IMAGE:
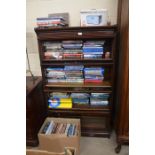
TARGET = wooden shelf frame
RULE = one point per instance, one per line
(88, 33)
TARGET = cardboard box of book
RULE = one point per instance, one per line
(58, 133)
(67, 151)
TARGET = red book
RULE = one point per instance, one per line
(68, 54)
(92, 81)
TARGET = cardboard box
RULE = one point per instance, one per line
(57, 142)
(46, 152)
(94, 17)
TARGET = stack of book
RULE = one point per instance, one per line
(74, 74)
(93, 49)
(93, 75)
(50, 21)
(53, 50)
(55, 75)
(52, 127)
(80, 98)
(72, 49)
(99, 99)
(60, 103)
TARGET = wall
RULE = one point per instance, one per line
(41, 8)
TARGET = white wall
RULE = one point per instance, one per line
(41, 8)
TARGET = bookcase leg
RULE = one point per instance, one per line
(118, 148)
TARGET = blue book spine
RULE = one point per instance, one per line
(94, 69)
(89, 49)
(70, 130)
(53, 69)
(95, 53)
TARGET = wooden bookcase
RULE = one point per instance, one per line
(95, 121)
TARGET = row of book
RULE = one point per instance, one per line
(75, 74)
(52, 127)
(50, 21)
(76, 49)
(66, 100)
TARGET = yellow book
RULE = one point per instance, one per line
(65, 105)
(60, 103)
(65, 100)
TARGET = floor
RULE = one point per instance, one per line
(101, 146)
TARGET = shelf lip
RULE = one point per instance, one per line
(99, 91)
(83, 60)
(87, 109)
(62, 63)
(46, 29)
(72, 85)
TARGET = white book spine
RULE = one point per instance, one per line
(67, 127)
(50, 127)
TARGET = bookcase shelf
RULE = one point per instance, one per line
(103, 84)
(85, 108)
(95, 120)
(78, 60)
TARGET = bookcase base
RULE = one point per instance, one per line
(95, 134)
(33, 142)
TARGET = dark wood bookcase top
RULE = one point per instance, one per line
(105, 28)
(95, 120)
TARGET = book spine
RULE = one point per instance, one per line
(45, 127)
(67, 128)
(54, 128)
(92, 50)
(69, 133)
(93, 81)
(49, 129)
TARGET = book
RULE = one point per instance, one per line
(49, 129)
(72, 42)
(62, 131)
(54, 128)
(59, 95)
(80, 101)
(52, 46)
(92, 49)
(95, 77)
(54, 69)
(79, 95)
(45, 127)
(94, 43)
(56, 80)
(100, 95)
(73, 51)
(60, 103)
(93, 81)
(67, 128)
(69, 133)
(57, 128)
(50, 21)
(75, 67)
(53, 55)
(71, 80)
(98, 102)
(97, 56)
